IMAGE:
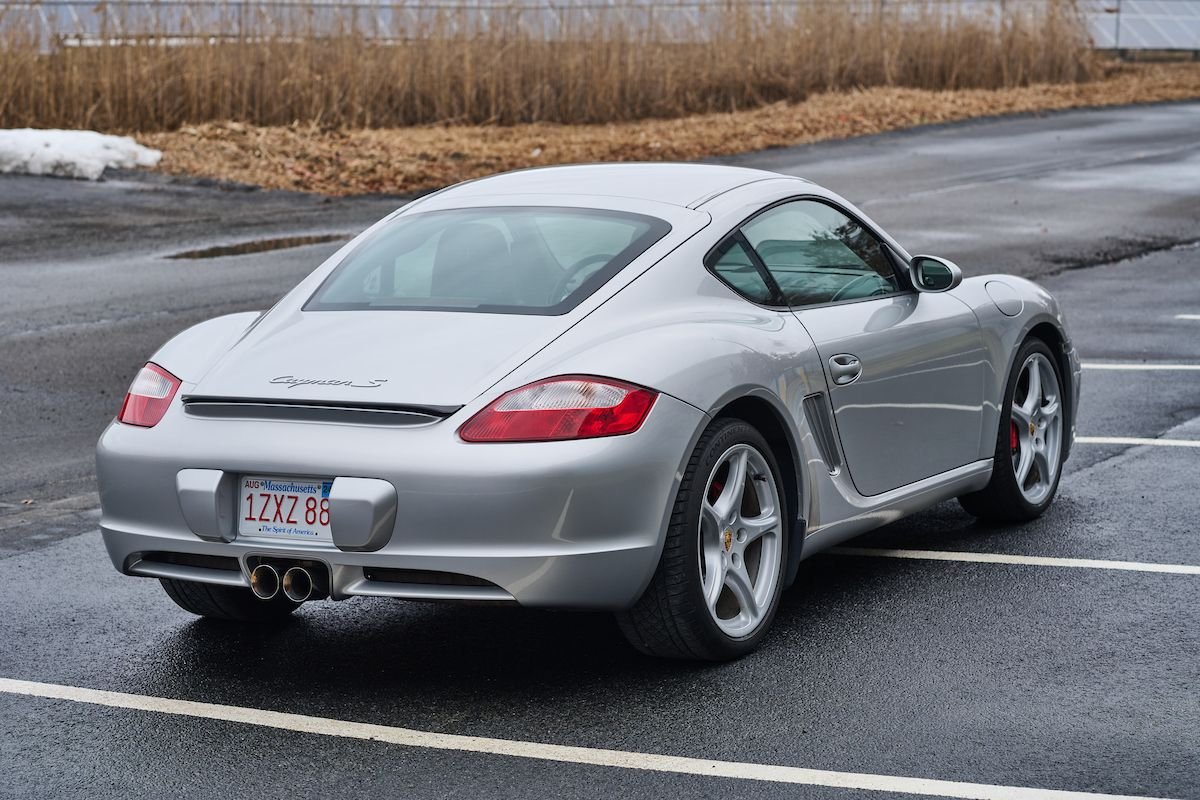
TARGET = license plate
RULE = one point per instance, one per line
(284, 508)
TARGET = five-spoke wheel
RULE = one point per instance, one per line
(1036, 428)
(721, 573)
(1029, 447)
(740, 540)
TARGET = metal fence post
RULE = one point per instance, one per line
(1117, 35)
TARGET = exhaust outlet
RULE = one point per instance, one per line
(297, 584)
(264, 581)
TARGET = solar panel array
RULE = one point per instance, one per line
(1144, 24)
(1113, 24)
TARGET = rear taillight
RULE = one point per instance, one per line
(150, 395)
(569, 407)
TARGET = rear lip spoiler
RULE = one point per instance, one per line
(314, 411)
(427, 410)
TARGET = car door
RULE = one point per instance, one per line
(905, 370)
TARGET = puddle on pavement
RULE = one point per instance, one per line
(260, 246)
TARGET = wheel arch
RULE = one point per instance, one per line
(1054, 338)
(770, 421)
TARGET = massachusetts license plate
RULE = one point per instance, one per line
(285, 508)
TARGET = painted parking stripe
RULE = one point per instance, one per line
(1134, 440)
(1135, 367)
(546, 752)
(1005, 558)
(1188, 316)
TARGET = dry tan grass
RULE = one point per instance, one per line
(339, 162)
(602, 65)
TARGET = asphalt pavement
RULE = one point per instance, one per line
(949, 651)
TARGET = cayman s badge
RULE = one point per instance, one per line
(293, 382)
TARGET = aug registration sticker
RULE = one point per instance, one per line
(285, 508)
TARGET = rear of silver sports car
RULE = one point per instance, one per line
(365, 503)
(360, 436)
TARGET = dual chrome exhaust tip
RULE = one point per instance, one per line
(297, 583)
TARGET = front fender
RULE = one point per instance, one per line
(1023, 308)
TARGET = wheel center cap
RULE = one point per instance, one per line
(1032, 429)
(727, 538)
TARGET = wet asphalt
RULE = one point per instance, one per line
(1048, 677)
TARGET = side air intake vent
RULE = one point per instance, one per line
(816, 410)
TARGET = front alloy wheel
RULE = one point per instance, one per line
(1036, 428)
(1029, 448)
(720, 576)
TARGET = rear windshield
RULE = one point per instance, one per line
(516, 260)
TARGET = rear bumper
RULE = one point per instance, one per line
(559, 524)
(602, 579)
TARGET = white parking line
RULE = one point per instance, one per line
(1133, 440)
(1187, 316)
(546, 752)
(1004, 558)
(1149, 365)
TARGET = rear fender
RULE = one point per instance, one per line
(710, 353)
(193, 352)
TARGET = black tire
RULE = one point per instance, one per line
(1002, 500)
(229, 603)
(670, 620)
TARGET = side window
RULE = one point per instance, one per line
(735, 266)
(819, 255)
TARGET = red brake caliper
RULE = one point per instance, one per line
(1014, 441)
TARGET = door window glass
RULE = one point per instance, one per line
(819, 255)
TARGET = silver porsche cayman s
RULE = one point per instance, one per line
(651, 389)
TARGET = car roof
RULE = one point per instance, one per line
(686, 185)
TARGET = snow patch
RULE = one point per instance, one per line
(70, 154)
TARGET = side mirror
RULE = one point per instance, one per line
(933, 274)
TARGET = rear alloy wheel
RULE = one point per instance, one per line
(718, 582)
(1029, 448)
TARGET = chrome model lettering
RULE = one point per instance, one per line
(293, 382)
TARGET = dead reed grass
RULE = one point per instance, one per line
(339, 162)
(288, 64)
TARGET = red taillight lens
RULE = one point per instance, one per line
(561, 408)
(150, 395)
